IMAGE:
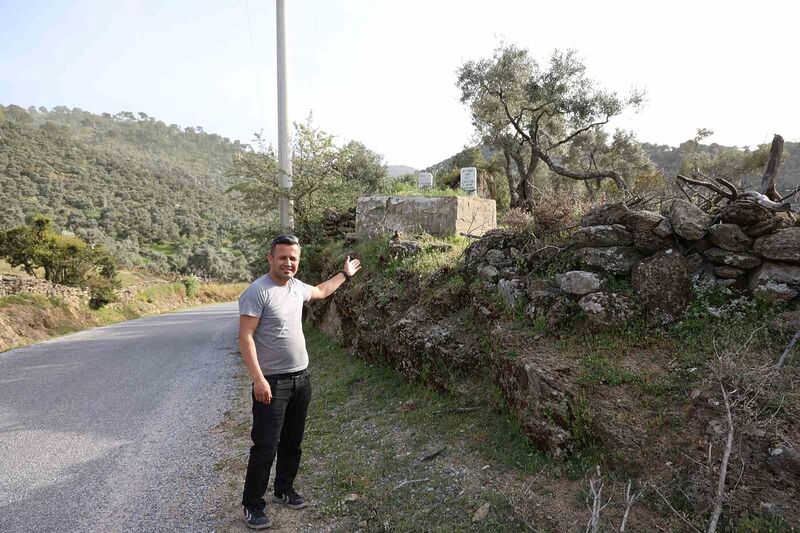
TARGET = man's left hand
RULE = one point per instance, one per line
(351, 266)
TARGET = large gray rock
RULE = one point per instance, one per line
(776, 281)
(497, 258)
(541, 295)
(729, 237)
(610, 235)
(649, 243)
(613, 259)
(512, 291)
(744, 213)
(664, 228)
(688, 220)
(580, 282)
(488, 272)
(607, 310)
(782, 246)
(640, 220)
(727, 272)
(741, 260)
(663, 286)
(604, 215)
(771, 225)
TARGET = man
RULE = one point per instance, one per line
(274, 350)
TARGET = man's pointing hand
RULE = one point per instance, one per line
(351, 266)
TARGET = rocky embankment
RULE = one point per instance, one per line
(621, 266)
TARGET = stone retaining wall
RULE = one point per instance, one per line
(16, 285)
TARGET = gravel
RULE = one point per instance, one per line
(112, 429)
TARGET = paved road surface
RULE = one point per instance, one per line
(111, 429)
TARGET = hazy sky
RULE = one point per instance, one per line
(383, 71)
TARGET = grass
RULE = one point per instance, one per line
(378, 260)
(391, 426)
(25, 299)
(400, 188)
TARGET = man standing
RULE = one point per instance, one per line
(274, 350)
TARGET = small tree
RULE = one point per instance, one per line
(66, 260)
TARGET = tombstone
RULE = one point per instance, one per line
(469, 180)
(425, 180)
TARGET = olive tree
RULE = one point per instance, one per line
(533, 114)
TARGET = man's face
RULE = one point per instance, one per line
(283, 261)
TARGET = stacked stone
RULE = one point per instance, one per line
(746, 247)
(19, 285)
(338, 225)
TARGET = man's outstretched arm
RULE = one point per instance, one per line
(326, 288)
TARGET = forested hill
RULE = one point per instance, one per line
(153, 193)
(670, 159)
(743, 164)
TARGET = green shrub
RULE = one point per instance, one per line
(101, 291)
(192, 284)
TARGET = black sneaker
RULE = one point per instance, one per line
(256, 518)
(290, 499)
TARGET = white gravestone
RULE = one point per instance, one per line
(469, 179)
(425, 180)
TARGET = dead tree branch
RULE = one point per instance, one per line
(708, 185)
(784, 198)
(596, 504)
(723, 467)
(679, 515)
(630, 501)
(788, 349)
(728, 185)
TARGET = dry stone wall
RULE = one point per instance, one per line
(666, 256)
(18, 285)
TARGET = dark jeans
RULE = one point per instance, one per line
(277, 427)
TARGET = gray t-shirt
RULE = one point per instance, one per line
(280, 344)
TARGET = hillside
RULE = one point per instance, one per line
(396, 171)
(668, 159)
(153, 193)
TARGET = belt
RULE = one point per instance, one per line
(289, 375)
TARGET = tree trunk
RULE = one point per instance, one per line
(525, 186)
(512, 180)
(768, 181)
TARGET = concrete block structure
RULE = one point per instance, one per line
(439, 215)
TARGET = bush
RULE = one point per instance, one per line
(192, 284)
(101, 291)
(517, 219)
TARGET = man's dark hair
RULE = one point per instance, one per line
(283, 239)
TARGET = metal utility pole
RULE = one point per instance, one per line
(284, 142)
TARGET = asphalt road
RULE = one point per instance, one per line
(112, 429)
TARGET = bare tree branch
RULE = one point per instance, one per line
(577, 132)
(630, 501)
(708, 185)
(788, 349)
(723, 467)
(679, 515)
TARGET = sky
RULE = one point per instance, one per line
(383, 72)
